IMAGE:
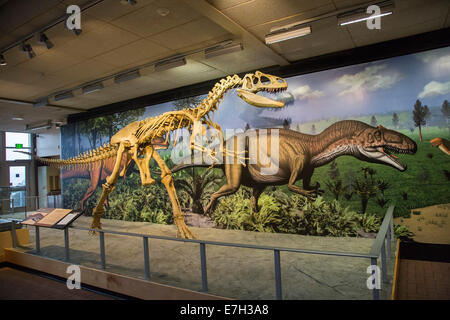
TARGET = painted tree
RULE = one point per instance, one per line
(247, 127)
(287, 123)
(313, 129)
(446, 110)
(395, 120)
(373, 121)
(427, 116)
(419, 114)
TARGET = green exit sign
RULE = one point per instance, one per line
(19, 146)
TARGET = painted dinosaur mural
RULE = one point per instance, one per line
(139, 140)
(96, 174)
(442, 144)
(299, 154)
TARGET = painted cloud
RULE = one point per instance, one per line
(435, 88)
(305, 92)
(371, 79)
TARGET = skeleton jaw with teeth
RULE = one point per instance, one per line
(254, 83)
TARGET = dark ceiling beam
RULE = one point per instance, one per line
(383, 50)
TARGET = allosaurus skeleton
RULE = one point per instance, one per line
(139, 140)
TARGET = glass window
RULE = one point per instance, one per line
(17, 176)
(11, 155)
(17, 139)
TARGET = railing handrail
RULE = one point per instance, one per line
(381, 235)
(229, 244)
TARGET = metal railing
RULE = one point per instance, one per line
(385, 234)
(50, 201)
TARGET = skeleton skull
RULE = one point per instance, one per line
(253, 83)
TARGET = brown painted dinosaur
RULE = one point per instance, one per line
(96, 174)
(299, 154)
(442, 144)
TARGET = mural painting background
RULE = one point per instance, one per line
(356, 193)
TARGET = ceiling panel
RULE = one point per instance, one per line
(196, 31)
(258, 12)
(147, 21)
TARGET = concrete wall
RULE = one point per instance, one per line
(48, 143)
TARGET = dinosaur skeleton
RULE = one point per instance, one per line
(139, 140)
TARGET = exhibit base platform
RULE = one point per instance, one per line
(111, 282)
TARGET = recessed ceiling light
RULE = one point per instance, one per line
(163, 11)
(170, 64)
(2, 60)
(127, 76)
(360, 14)
(291, 31)
(17, 118)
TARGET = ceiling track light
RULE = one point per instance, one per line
(222, 49)
(170, 64)
(288, 32)
(44, 39)
(64, 95)
(92, 87)
(28, 49)
(2, 60)
(360, 14)
(127, 76)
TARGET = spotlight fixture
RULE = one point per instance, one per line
(77, 31)
(2, 60)
(287, 32)
(170, 63)
(28, 49)
(41, 102)
(92, 87)
(44, 39)
(222, 49)
(127, 76)
(64, 95)
(360, 14)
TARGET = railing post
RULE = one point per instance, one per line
(146, 259)
(37, 202)
(38, 240)
(203, 265)
(102, 250)
(13, 233)
(383, 261)
(376, 294)
(389, 244)
(54, 201)
(12, 205)
(276, 258)
(66, 244)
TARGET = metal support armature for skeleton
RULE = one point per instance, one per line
(140, 139)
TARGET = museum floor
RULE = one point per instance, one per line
(232, 272)
(20, 285)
